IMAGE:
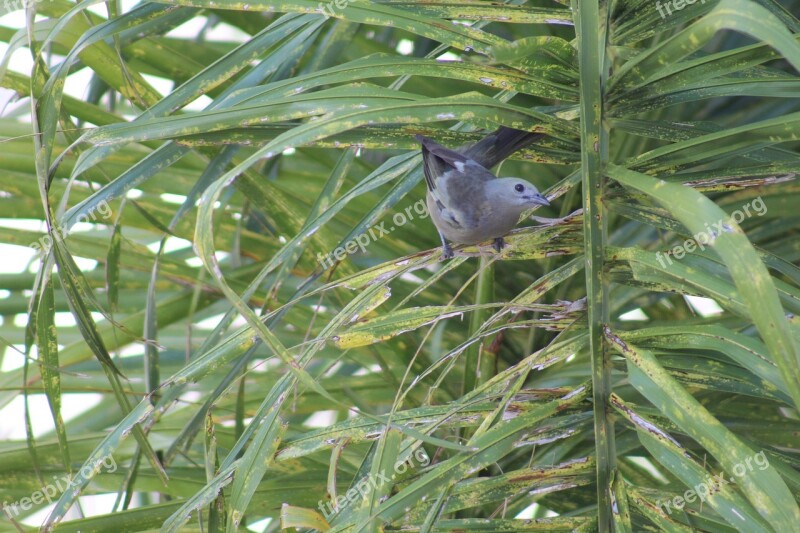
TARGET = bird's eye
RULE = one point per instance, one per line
(519, 187)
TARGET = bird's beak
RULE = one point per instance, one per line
(537, 199)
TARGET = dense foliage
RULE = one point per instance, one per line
(224, 198)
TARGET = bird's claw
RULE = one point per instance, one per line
(498, 244)
(447, 251)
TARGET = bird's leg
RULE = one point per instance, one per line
(447, 251)
(498, 244)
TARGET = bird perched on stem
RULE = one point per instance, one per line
(467, 203)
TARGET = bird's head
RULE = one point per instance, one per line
(514, 193)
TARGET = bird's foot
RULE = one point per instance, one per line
(447, 251)
(498, 244)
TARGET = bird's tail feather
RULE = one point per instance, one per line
(500, 144)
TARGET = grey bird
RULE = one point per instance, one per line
(467, 203)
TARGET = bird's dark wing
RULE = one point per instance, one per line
(464, 194)
(438, 161)
(498, 145)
